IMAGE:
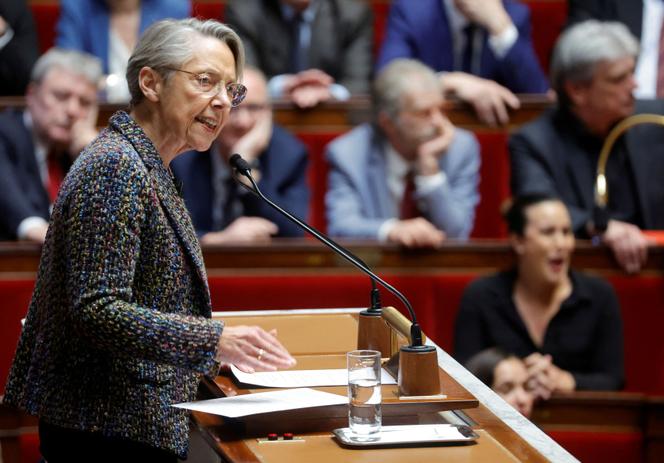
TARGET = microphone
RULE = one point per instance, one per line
(242, 167)
(238, 163)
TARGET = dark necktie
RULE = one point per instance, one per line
(298, 52)
(409, 209)
(467, 57)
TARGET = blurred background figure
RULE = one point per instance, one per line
(222, 210)
(18, 47)
(593, 74)
(482, 47)
(564, 324)
(311, 50)
(506, 374)
(109, 30)
(410, 177)
(38, 145)
(644, 20)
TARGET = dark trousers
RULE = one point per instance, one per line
(59, 445)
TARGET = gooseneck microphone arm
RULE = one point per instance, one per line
(242, 167)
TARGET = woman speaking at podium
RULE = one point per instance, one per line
(119, 325)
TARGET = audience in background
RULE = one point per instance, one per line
(410, 177)
(223, 211)
(644, 20)
(506, 374)
(311, 50)
(593, 73)
(483, 47)
(18, 47)
(564, 324)
(109, 29)
(38, 145)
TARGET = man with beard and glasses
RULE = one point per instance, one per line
(410, 177)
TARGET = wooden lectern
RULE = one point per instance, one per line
(320, 339)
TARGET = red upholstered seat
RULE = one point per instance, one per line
(208, 10)
(642, 303)
(494, 185)
(15, 296)
(547, 19)
(46, 17)
(601, 447)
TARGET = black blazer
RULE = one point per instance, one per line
(21, 52)
(545, 160)
(22, 192)
(341, 39)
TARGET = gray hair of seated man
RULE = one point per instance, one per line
(73, 61)
(581, 47)
(170, 43)
(397, 78)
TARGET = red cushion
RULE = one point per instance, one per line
(494, 185)
(642, 307)
(46, 17)
(208, 10)
(317, 174)
(601, 447)
(29, 445)
(547, 20)
(15, 296)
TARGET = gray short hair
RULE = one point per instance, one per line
(398, 77)
(170, 43)
(76, 62)
(581, 47)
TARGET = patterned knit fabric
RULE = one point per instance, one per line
(118, 327)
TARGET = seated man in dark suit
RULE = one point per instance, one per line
(593, 73)
(222, 210)
(644, 20)
(410, 177)
(482, 47)
(38, 145)
(18, 47)
(311, 50)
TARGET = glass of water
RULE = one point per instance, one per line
(364, 396)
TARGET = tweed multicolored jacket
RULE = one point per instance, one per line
(118, 328)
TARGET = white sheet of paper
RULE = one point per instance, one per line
(301, 378)
(264, 402)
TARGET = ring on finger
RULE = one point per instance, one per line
(260, 354)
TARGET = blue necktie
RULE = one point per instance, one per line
(298, 52)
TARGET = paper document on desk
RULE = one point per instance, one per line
(265, 402)
(301, 378)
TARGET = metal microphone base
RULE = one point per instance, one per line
(374, 333)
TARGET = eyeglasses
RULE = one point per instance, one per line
(210, 86)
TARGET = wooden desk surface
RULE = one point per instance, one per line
(497, 442)
(303, 255)
(339, 116)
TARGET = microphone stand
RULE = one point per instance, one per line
(418, 365)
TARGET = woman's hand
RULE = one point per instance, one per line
(545, 378)
(251, 348)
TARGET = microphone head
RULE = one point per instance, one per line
(239, 164)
